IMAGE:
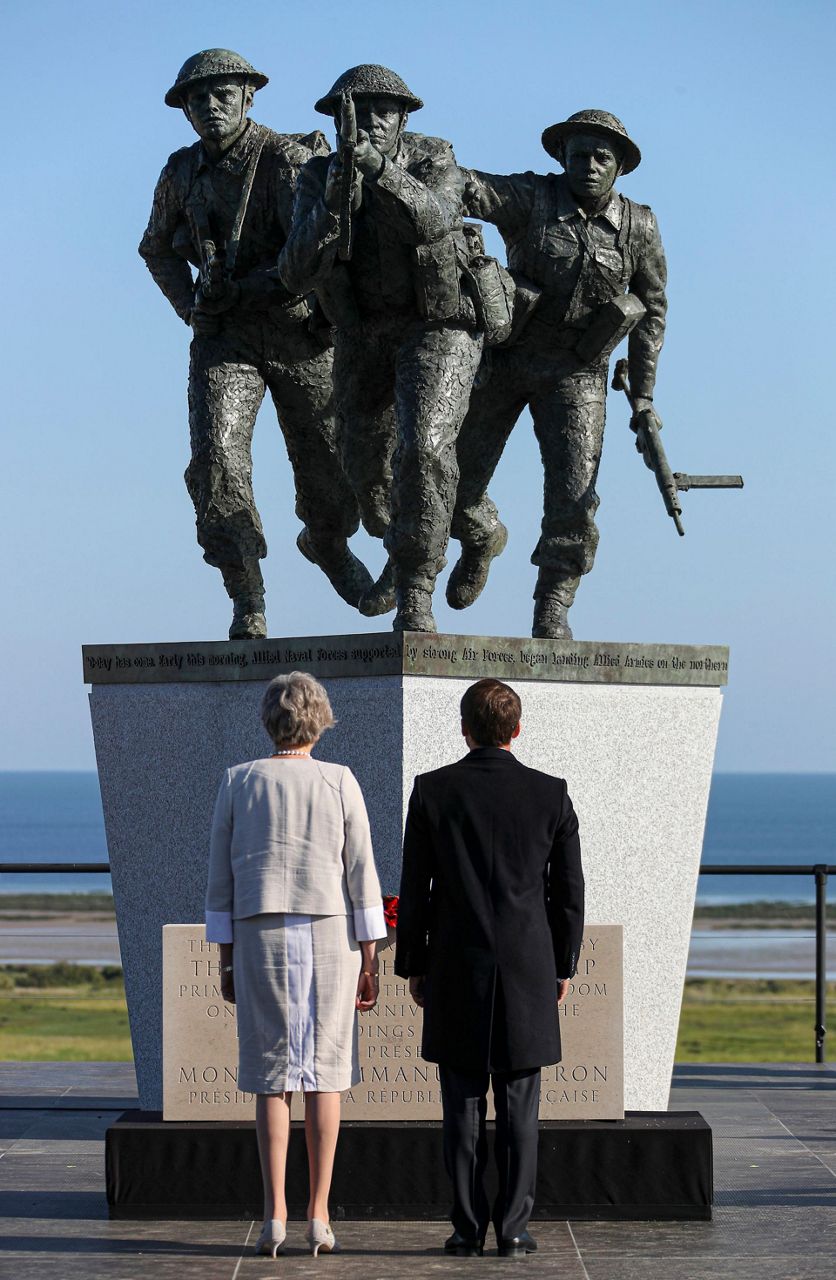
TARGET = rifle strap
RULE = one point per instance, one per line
(241, 211)
(622, 240)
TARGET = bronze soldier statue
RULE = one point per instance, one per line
(579, 244)
(377, 234)
(224, 205)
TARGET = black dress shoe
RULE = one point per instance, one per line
(516, 1246)
(460, 1247)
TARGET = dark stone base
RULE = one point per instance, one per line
(651, 1165)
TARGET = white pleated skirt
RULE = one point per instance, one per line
(295, 990)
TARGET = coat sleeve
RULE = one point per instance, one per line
(505, 200)
(310, 251)
(358, 860)
(648, 284)
(220, 886)
(414, 894)
(566, 891)
(425, 208)
(170, 271)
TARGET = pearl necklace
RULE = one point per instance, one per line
(307, 754)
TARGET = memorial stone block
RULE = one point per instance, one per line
(631, 727)
(200, 1046)
(200, 1052)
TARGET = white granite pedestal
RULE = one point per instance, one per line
(631, 727)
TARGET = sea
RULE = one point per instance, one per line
(752, 818)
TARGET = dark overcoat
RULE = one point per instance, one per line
(490, 910)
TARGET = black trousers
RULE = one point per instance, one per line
(464, 1100)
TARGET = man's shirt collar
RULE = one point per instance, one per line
(482, 753)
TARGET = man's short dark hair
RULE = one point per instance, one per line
(491, 712)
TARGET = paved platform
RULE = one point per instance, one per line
(775, 1213)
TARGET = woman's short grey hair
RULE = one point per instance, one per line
(295, 709)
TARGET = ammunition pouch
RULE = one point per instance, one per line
(436, 279)
(526, 296)
(502, 301)
(491, 290)
(609, 324)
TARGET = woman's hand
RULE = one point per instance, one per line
(368, 986)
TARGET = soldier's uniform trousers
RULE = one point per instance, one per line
(402, 388)
(568, 414)
(228, 376)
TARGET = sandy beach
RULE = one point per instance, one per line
(763, 953)
(79, 937)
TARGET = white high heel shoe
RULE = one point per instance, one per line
(320, 1237)
(272, 1237)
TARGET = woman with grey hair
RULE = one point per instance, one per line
(294, 900)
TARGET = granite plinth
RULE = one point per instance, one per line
(634, 740)
(408, 653)
(642, 1167)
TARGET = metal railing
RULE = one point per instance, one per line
(93, 867)
(821, 871)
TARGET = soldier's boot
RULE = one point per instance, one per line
(553, 597)
(245, 588)
(380, 597)
(414, 610)
(348, 576)
(414, 594)
(470, 572)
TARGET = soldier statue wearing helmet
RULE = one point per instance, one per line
(224, 206)
(406, 344)
(589, 252)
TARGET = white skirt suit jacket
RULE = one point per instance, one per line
(292, 882)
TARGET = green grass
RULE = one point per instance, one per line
(87, 1021)
(76, 1025)
(762, 915)
(19, 906)
(63, 1013)
(756, 1020)
(62, 973)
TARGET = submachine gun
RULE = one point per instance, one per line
(649, 444)
(218, 262)
(346, 149)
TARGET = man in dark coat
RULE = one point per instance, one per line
(490, 919)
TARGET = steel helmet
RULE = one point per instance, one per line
(600, 122)
(212, 62)
(367, 81)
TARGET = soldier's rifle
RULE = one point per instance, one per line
(213, 270)
(217, 265)
(671, 483)
(346, 150)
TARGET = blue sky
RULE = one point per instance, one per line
(731, 105)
